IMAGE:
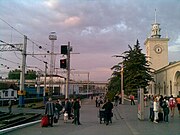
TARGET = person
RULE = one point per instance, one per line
(99, 101)
(178, 103)
(58, 108)
(108, 106)
(96, 101)
(145, 101)
(116, 98)
(132, 99)
(49, 111)
(68, 107)
(165, 107)
(156, 109)
(161, 99)
(151, 116)
(172, 105)
(76, 108)
(10, 106)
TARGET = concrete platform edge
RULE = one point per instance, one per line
(19, 126)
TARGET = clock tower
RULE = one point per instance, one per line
(156, 48)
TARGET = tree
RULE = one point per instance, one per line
(15, 74)
(31, 74)
(137, 72)
(114, 82)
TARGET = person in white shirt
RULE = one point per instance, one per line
(156, 109)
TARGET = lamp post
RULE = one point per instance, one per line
(52, 37)
(122, 81)
(122, 85)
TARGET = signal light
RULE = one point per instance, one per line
(63, 63)
(64, 49)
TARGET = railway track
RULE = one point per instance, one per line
(10, 120)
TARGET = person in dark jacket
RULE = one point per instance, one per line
(68, 107)
(76, 108)
(49, 111)
(108, 106)
(165, 109)
(58, 108)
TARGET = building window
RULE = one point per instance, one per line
(12, 93)
(6, 94)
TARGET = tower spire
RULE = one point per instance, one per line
(155, 31)
(155, 16)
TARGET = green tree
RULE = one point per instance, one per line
(31, 74)
(114, 82)
(137, 72)
(15, 74)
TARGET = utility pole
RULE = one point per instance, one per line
(65, 64)
(88, 86)
(68, 69)
(44, 92)
(22, 77)
(18, 47)
(38, 84)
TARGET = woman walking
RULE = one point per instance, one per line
(172, 105)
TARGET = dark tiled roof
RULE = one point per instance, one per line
(8, 85)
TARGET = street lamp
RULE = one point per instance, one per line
(122, 81)
(122, 85)
(52, 37)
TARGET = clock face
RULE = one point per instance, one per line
(158, 49)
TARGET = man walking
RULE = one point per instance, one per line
(76, 107)
(68, 107)
(49, 111)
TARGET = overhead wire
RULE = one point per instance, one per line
(34, 42)
(11, 26)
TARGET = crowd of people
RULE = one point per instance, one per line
(161, 107)
(71, 107)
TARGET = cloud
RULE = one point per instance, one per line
(52, 4)
(71, 21)
(176, 46)
(97, 29)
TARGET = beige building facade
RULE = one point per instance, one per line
(166, 75)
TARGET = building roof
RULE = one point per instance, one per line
(7, 85)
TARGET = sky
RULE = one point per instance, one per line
(96, 29)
